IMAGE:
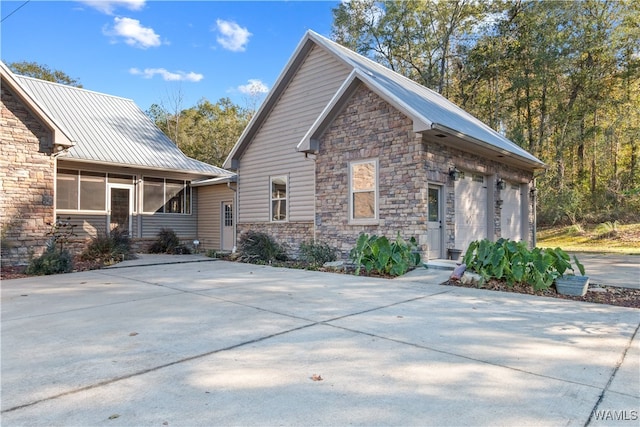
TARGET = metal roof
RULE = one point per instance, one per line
(110, 129)
(428, 106)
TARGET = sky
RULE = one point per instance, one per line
(163, 52)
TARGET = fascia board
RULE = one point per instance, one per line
(61, 137)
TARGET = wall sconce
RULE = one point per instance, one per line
(533, 192)
(454, 174)
(501, 184)
(499, 203)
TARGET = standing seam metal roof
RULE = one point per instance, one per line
(110, 129)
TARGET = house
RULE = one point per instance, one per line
(99, 160)
(343, 145)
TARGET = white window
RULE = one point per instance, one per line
(363, 182)
(279, 189)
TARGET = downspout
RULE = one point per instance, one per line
(235, 217)
(534, 199)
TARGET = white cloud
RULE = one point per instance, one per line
(253, 88)
(232, 36)
(109, 6)
(134, 34)
(166, 75)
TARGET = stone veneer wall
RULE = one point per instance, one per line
(369, 128)
(292, 234)
(26, 181)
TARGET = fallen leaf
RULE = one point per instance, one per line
(133, 334)
(114, 416)
(316, 377)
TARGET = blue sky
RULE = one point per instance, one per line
(153, 51)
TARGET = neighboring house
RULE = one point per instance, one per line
(343, 145)
(100, 161)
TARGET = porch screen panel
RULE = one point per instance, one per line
(176, 196)
(153, 195)
(67, 189)
(92, 191)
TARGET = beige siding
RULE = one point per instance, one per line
(273, 150)
(210, 200)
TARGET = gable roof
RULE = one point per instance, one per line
(429, 110)
(111, 130)
(61, 137)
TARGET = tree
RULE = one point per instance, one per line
(42, 72)
(206, 132)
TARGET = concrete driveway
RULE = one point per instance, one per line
(219, 343)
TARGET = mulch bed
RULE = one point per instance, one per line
(600, 294)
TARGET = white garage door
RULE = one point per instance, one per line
(471, 209)
(511, 222)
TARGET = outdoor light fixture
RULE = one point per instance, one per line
(533, 192)
(501, 184)
(499, 203)
(196, 243)
(454, 174)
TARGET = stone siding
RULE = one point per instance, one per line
(26, 181)
(291, 234)
(369, 128)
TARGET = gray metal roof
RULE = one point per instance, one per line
(110, 129)
(430, 107)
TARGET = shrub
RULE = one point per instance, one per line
(52, 261)
(260, 248)
(167, 242)
(109, 246)
(316, 254)
(515, 263)
(378, 254)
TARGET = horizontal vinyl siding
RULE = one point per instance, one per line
(185, 226)
(273, 150)
(86, 225)
(210, 200)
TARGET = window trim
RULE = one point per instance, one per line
(376, 217)
(188, 203)
(272, 199)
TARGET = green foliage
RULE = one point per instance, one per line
(378, 254)
(52, 261)
(260, 248)
(515, 263)
(42, 72)
(607, 229)
(318, 253)
(167, 242)
(115, 245)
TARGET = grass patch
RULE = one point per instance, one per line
(601, 238)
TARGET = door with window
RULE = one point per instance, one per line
(227, 226)
(434, 224)
(120, 206)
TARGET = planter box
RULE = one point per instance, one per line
(572, 285)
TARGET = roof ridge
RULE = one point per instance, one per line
(20, 76)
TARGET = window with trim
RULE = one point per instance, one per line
(81, 190)
(166, 196)
(363, 181)
(279, 198)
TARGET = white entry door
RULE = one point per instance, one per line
(227, 226)
(471, 210)
(120, 207)
(434, 222)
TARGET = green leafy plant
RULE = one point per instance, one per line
(260, 248)
(52, 261)
(167, 242)
(317, 253)
(378, 254)
(109, 247)
(515, 263)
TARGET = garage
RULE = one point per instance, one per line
(470, 209)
